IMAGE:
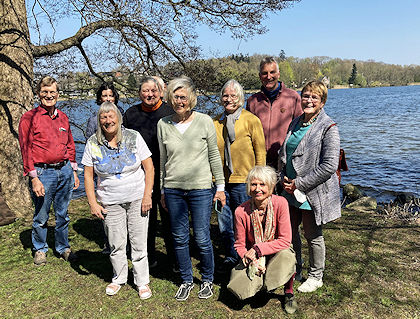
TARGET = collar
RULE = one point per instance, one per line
(151, 109)
(41, 108)
(272, 94)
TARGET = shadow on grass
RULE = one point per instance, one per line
(26, 238)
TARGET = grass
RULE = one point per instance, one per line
(372, 271)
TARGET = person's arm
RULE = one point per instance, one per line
(95, 209)
(258, 141)
(91, 126)
(163, 157)
(149, 171)
(240, 231)
(283, 236)
(216, 163)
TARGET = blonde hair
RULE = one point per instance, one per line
(105, 108)
(183, 82)
(266, 174)
(316, 87)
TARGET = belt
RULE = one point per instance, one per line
(53, 165)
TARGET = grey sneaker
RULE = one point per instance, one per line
(184, 291)
(40, 258)
(68, 255)
(206, 290)
(290, 304)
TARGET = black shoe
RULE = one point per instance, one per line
(184, 291)
(206, 290)
(290, 304)
(226, 267)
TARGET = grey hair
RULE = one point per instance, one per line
(105, 108)
(146, 79)
(266, 174)
(183, 82)
(161, 83)
(239, 91)
(267, 60)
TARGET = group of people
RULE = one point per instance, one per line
(165, 157)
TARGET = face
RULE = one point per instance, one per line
(180, 102)
(269, 76)
(259, 190)
(107, 96)
(109, 123)
(48, 95)
(230, 100)
(149, 94)
(311, 104)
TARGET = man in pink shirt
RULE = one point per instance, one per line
(49, 158)
(276, 106)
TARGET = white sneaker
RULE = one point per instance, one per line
(311, 284)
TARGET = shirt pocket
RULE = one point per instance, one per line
(63, 135)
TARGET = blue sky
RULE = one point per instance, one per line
(384, 31)
(380, 30)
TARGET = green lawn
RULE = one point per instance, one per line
(372, 271)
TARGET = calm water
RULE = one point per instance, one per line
(378, 130)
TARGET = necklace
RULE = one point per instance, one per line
(304, 124)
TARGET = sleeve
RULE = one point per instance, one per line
(328, 164)
(240, 231)
(87, 154)
(91, 126)
(283, 229)
(25, 142)
(258, 141)
(162, 151)
(214, 155)
(142, 149)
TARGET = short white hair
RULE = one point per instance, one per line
(239, 91)
(265, 174)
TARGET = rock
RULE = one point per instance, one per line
(363, 203)
(352, 192)
(404, 198)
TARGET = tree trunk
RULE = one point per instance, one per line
(16, 97)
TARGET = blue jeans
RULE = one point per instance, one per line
(58, 185)
(235, 196)
(199, 202)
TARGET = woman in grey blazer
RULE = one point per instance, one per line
(307, 163)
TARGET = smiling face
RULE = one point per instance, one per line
(230, 100)
(109, 123)
(107, 96)
(48, 95)
(180, 102)
(259, 190)
(149, 94)
(311, 104)
(269, 76)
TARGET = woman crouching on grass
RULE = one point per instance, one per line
(121, 160)
(263, 236)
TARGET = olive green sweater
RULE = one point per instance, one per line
(188, 161)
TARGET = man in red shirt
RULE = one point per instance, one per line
(49, 158)
(276, 106)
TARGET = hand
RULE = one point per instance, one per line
(162, 202)
(250, 256)
(146, 204)
(97, 210)
(220, 195)
(38, 187)
(76, 180)
(289, 185)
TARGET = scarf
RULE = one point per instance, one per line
(271, 94)
(230, 138)
(261, 235)
(151, 109)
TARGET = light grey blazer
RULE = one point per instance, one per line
(315, 161)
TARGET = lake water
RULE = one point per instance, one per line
(378, 131)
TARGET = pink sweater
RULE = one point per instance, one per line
(244, 232)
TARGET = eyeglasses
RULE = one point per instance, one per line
(153, 91)
(183, 98)
(227, 96)
(312, 97)
(45, 93)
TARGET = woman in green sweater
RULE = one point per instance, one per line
(189, 157)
